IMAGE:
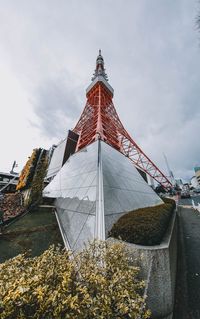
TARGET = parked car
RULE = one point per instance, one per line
(196, 190)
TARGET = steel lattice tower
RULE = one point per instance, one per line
(100, 120)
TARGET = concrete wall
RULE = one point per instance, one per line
(158, 268)
(26, 195)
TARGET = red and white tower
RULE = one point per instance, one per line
(93, 183)
(100, 120)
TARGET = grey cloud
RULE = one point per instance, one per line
(151, 54)
(57, 105)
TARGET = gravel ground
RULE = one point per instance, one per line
(187, 303)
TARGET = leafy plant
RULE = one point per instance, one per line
(27, 172)
(100, 282)
(32, 176)
(37, 184)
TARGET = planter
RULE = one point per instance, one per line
(158, 268)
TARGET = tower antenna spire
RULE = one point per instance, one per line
(100, 70)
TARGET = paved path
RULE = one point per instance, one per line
(187, 304)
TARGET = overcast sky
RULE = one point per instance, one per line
(151, 51)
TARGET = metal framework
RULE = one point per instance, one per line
(99, 120)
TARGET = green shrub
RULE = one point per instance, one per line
(100, 282)
(170, 201)
(144, 226)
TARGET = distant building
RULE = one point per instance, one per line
(179, 183)
(59, 154)
(150, 181)
(197, 173)
(8, 182)
(194, 182)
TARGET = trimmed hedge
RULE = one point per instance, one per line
(144, 226)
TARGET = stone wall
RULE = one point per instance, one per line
(158, 268)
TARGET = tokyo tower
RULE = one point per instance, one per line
(99, 120)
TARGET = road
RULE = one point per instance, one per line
(188, 201)
(187, 305)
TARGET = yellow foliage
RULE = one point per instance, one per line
(26, 171)
(100, 282)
